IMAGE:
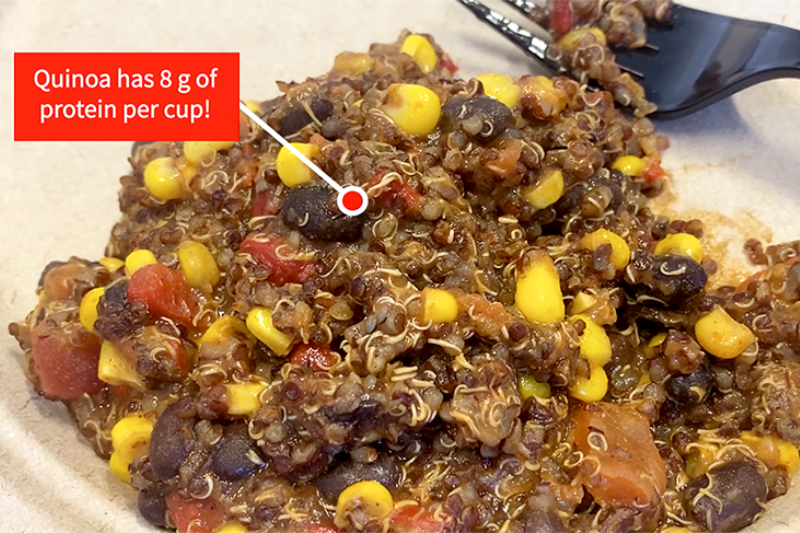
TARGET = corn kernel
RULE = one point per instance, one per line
(582, 302)
(223, 328)
(413, 108)
(199, 151)
(720, 335)
(254, 106)
(421, 50)
(501, 87)
(242, 398)
(552, 101)
(138, 259)
(547, 191)
(572, 40)
(699, 460)
(595, 344)
(115, 369)
(438, 306)
(620, 252)
(529, 387)
(112, 264)
(234, 527)
(374, 499)
(538, 294)
(676, 529)
(198, 265)
(657, 340)
(593, 389)
(164, 180)
(88, 309)
(630, 165)
(130, 435)
(259, 322)
(352, 64)
(119, 468)
(291, 170)
(789, 456)
(680, 244)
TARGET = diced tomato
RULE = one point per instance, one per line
(398, 195)
(65, 363)
(318, 358)
(59, 281)
(282, 270)
(415, 519)
(447, 64)
(165, 292)
(260, 204)
(654, 171)
(561, 17)
(203, 516)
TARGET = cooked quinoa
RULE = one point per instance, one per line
(508, 340)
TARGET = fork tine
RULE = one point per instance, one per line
(529, 43)
(523, 6)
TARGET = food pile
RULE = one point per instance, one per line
(508, 339)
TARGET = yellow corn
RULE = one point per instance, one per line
(242, 398)
(620, 252)
(547, 191)
(773, 451)
(413, 108)
(291, 170)
(223, 328)
(115, 369)
(676, 529)
(199, 151)
(421, 50)
(119, 468)
(438, 306)
(538, 294)
(657, 340)
(371, 497)
(352, 64)
(254, 106)
(699, 460)
(630, 165)
(130, 435)
(112, 264)
(88, 309)
(234, 527)
(680, 244)
(595, 344)
(582, 302)
(529, 387)
(720, 335)
(164, 180)
(572, 40)
(502, 87)
(198, 265)
(138, 259)
(259, 322)
(789, 456)
(593, 389)
(543, 91)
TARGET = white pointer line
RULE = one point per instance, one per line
(277, 136)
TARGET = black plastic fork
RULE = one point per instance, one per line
(695, 60)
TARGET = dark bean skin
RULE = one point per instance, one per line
(675, 277)
(541, 521)
(480, 116)
(385, 471)
(171, 437)
(309, 210)
(235, 456)
(333, 128)
(152, 504)
(691, 389)
(115, 318)
(297, 118)
(736, 488)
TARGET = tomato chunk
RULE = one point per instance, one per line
(447, 64)
(165, 292)
(397, 195)
(318, 358)
(622, 466)
(203, 516)
(561, 17)
(65, 363)
(415, 519)
(283, 270)
(654, 171)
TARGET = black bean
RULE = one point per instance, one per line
(297, 118)
(116, 319)
(171, 438)
(322, 109)
(312, 212)
(542, 521)
(236, 455)
(479, 116)
(385, 471)
(334, 128)
(691, 389)
(731, 498)
(675, 277)
(135, 146)
(153, 505)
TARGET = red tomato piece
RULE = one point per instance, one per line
(165, 292)
(203, 516)
(66, 364)
(447, 64)
(283, 270)
(260, 203)
(654, 171)
(398, 195)
(318, 358)
(561, 17)
(415, 519)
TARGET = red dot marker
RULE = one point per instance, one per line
(352, 201)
